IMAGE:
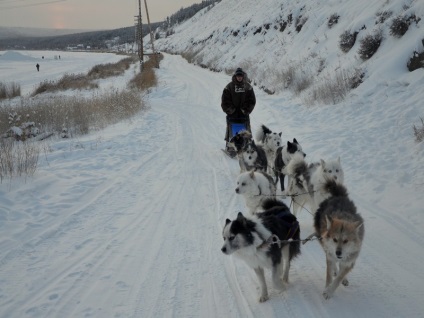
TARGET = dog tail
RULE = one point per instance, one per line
(296, 166)
(261, 133)
(272, 203)
(335, 189)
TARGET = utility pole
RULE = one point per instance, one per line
(139, 35)
(151, 35)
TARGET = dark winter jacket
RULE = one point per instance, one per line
(238, 99)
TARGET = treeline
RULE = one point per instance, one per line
(96, 40)
(186, 13)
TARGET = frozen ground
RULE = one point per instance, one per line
(127, 222)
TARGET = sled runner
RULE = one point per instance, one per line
(235, 125)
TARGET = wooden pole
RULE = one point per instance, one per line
(151, 35)
(140, 36)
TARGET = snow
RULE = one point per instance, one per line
(126, 222)
(19, 66)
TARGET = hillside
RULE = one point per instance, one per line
(15, 33)
(297, 45)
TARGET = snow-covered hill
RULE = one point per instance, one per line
(296, 43)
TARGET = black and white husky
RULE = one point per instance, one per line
(283, 157)
(262, 242)
(252, 156)
(270, 141)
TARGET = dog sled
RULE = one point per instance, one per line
(234, 126)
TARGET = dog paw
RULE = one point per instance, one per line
(345, 282)
(263, 298)
(327, 294)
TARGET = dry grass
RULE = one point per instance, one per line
(78, 115)
(146, 79)
(335, 87)
(9, 90)
(68, 81)
(111, 69)
(17, 158)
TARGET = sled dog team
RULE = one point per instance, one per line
(268, 236)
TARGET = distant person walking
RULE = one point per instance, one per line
(38, 67)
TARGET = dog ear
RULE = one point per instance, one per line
(338, 159)
(240, 217)
(295, 141)
(322, 163)
(227, 221)
(328, 220)
(280, 134)
(358, 225)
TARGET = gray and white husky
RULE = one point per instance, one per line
(252, 156)
(341, 230)
(255, 187)
(261, 241)
(270, 141)
(307, 181)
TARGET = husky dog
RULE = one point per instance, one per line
(270, 141)
(299, 186)
(307, 181)
(255, 187)
(238, 141)
(261, 241)
(282, 158)
(252, 156)
(341, 230)
(324, 171)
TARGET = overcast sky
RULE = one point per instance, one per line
(84, 14)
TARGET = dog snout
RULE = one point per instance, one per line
(237, 190)
(250, 157)
(224, 250)
(304, 155)
(339, 253)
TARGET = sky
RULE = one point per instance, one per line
(127, 221)
(82, 14)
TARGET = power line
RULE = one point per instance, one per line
(29, 5)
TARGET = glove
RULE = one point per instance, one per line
(231, 110)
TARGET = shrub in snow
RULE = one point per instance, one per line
(399, 26)
(383, 16)
(333, 19)
(419, 132)
(334, 87)
(300, 22)
(416, 61)
(369, 45)
(347, 41)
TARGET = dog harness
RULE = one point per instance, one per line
(292, 227)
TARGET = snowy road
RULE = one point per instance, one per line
(127, 223)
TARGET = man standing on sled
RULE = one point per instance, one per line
(238, 100)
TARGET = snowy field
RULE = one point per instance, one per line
(127, 222)
(20, 66)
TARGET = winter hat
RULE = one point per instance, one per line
(239, 71)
